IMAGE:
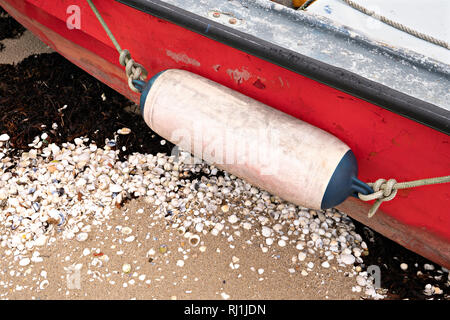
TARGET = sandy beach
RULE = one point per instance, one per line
(204, 275)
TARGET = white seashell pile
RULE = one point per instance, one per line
(70, 187)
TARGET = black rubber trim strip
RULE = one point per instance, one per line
(341, 79)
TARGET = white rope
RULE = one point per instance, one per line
(397, 25)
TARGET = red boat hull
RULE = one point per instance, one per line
(386, 145)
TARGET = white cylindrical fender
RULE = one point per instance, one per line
(266, 147)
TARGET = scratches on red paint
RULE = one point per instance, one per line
(345, 97)
(372, 154)
(258, 84)
(182, 57)
(403, 193)
(383, 120)
(338, 127)
(395, 143)
(216, 67)
(239, 75)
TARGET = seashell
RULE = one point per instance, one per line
(24, 262)
(62, 219)
(361, 281)
(233, 219)
(87, 228)
(96, 262)
(181, 230)
(180, 263)
(44, 284)
(199, 227)
(124, 131)
(162, 248)
(115, 188)
(277, 227)
(69, 235)
(347, 258)
(82, 236)
(126, 230)
(301, 256)
(78, 141)
(4, 137)
(428, 267)
(194, 240)
(126, 268)
(247, 225)
(14, 227)
(282, 243)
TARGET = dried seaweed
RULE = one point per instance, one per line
(9, 28)
(33, 95)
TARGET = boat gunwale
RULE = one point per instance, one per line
(330, 25)
(346, 81)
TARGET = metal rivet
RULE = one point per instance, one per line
(232, 21)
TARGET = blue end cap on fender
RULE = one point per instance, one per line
(144, 88)
(344, 182)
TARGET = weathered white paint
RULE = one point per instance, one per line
(239, 75)
(182, 57)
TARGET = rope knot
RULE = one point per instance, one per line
(387, 190)
(384, 190)
(387, 187)
(133, 70)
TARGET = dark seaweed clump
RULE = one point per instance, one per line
(33, 96)
(9, 28)
(388, 255)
